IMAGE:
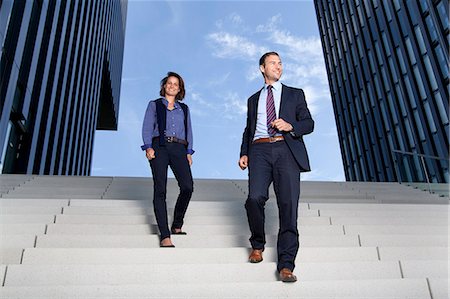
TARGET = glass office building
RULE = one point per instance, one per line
(388, 70)
(60, 76)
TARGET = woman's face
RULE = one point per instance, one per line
(172, 86)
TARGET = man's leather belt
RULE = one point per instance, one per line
(175, 139)
(269, 139)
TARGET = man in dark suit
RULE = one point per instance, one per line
(273, 150)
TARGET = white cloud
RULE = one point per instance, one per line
(302, 58)
(219, 81)
(176, 12)
(227, 45)
(234, 105)
(229, 105)
(271, 24)
(253, 73)
(236, 19)
(199, 105)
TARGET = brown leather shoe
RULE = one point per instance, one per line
(255, 256)
(286, 275)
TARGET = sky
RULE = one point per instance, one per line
(215, 46)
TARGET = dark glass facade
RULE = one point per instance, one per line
(388, 70)
(60, 76)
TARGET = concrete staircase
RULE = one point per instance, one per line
(96, 237)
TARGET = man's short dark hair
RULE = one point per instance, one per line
(180, 95)
(262, 60)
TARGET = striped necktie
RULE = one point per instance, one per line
(270, 109)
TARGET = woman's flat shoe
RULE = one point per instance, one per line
(168, 246)
(177, 233)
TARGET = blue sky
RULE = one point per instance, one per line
(215, 46)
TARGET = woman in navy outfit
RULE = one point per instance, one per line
(167, 137)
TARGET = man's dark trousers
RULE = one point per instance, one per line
(173, 155)
(274, 162)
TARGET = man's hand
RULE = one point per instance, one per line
(243, 162)
(150, 153)
(189, 157)
(282, 125)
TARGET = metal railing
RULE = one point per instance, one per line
(414, 167)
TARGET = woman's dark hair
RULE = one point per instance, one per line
(180, 95)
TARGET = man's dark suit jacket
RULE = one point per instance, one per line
(293, 109)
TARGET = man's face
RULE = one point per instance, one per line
(272, 69)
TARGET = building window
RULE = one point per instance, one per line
(367, 7)
(418, 125)
(401, 61)
(431, 28)
(443, 15)
(377, 86)
(355, 58)
(396, 4)
(442, 61)
(410, 92)
(379, 55)
(423, 5)
(375, 3)
(372, 63)
(411, 55)
(385, 79)
(419, 81)
(400, 96)
(411, 7)
(392, 108)
(360, 15)
(429, 115)
(387, 48)
(441, 108)
(387, 10)
(420, 40)
(412, 143)
(393, 71)
(430, 73)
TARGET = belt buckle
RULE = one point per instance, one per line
(169, 138)
(272, 139)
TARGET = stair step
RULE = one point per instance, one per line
(429, 269)
(188, 255)
(192, 229)
(404, 229)
(384, 213)
(377, 206)
(2, 273)
(403, 240)
(19, 202)
(439, 288)
(425, 252)
(41, 275)
(26, 219)
(127, 240)
(230, 211)
(336, 289)
(31, 210)
(10, 256)
(24, 228)
(17, 241)
(194, 205)
(442, 221)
